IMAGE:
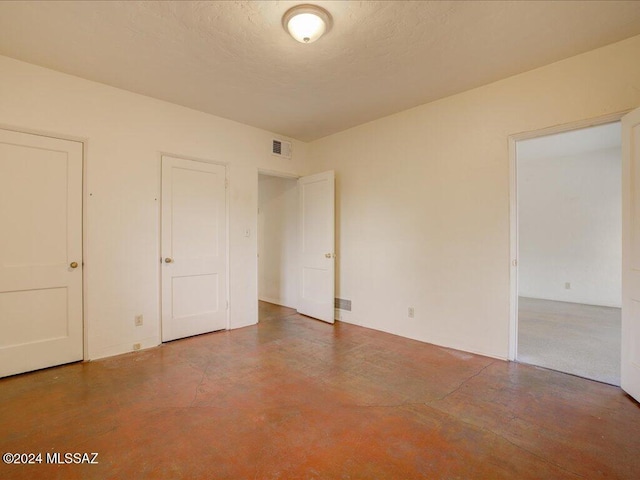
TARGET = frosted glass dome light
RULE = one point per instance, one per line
(306, 23)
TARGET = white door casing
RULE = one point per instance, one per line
(630, 366)
(317, 254)
(41, 267)
(194, 248)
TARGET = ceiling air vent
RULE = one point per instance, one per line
(281, 149)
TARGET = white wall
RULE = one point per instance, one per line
(125, 134)
(570, 227)
(423, 197)
(278, 240)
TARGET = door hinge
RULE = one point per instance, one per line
(226, 183)
(227, 304)
(514, 263)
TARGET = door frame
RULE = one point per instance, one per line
(84, 202)
(513, 209)
(227, 225)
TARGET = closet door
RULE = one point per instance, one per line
(194, 248)
(40, 252)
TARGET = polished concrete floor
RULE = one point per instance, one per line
(583, 340)
(294, 398)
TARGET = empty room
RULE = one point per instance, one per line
(277, 239)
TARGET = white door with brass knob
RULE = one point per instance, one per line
(194, 249)
(316, 247)
(40, 252)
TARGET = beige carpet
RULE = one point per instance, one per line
(583, 340)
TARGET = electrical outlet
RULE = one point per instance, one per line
(567, 286)
(411, 312)
(136, 346)
(138, 320)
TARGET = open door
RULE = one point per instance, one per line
(317, 256)
(630, 367)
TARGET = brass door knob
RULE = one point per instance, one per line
(168, 260)
(73, 264)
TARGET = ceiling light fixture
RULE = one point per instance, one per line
(306, 23)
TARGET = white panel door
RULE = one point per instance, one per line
(630, 366)
(40, 252)
(317, 256)
(194, 248)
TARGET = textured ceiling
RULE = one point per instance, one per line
(234, 60)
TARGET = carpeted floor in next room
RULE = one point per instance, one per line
(583, 340)
(295, 398)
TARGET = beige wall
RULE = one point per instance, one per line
(423, 197)
(125, 134)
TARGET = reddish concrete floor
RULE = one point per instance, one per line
(294, 398)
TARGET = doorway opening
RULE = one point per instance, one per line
(296, 243)
(278, 232)
(569, 258)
